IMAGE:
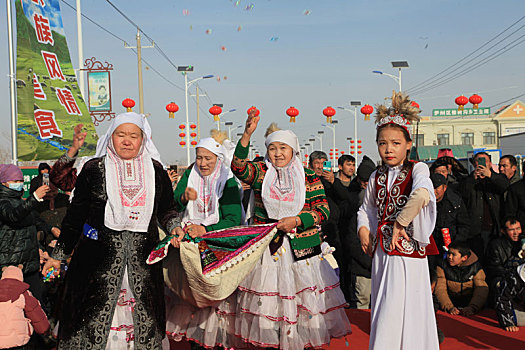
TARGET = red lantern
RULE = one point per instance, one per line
(182, 144)
(292, 112)
(182, 135)
(359, 141)
(359, 152)
(352, 147)
(367, 110)
(329, 112)
(306, 155)
(194, 143)
(215, 111)
(128, 103)
(475, 100)
(182, 126)
(342, 152)
(359, 146)
(331, 154)
(193, 126)
(193, 134)
(352, 141)
(172, 108)
(257, 112)
(461, 101)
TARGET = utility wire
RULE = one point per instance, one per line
(125, 42)
(467, 56)
(510, 99)
(477, 65)
(437, 81)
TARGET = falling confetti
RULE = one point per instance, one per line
(219, 79)
(185, 12)
(191, 27)
(147, 67)
(223, 48)
(306, 12)
(239, 28)
(249, 7)
(225, 78)
(274, 38)
(237, 3)
(208, 31)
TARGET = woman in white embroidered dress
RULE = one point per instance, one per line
(395, 224)
(209, 197)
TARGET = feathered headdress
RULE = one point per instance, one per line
(401, 112)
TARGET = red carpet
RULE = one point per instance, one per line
(463, 333)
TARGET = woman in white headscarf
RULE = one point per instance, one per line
(209, 196)
(112, 299)
(292, 299)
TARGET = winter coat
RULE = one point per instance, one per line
(478, 193)
(515, 203)
(20, 313)
(464, 285)
(451, 214)
(511, 295)
(18, 231)
(502, 257)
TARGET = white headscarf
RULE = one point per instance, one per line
(130, 184)
(283, 189)
(205, 209)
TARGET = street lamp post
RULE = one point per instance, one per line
(398, 65)
(229, 125)
(332, 126)
(355, 104)
(220, 115)
(320, 133)
(187, 84)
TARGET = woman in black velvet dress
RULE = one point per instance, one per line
(112, 299)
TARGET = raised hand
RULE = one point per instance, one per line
(78, 140)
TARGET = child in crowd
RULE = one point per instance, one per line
(461, 287)
(20, 312)
(395, 224)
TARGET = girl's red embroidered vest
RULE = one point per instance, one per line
(389, 205)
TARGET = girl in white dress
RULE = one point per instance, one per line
(395, 225)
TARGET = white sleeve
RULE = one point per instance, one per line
(367, 214)
(425, 221)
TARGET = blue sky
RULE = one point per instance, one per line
(324, 58)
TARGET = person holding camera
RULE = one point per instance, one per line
(482, 193)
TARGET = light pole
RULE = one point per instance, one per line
(229, 125)
(398, 65)
(187, 84)
(220, 115)
(332, 126)
(320, 133)
(349, 139)
(355, 104)
(312, 140)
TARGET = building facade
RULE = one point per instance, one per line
(478, 128)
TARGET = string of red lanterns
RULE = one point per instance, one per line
(462, 100)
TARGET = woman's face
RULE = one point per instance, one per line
(205, 161)
(392, 146)
(280, 154)
(127, 140)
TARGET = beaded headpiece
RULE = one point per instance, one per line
(401, 112)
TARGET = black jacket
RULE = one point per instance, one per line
(515, 203)
(451, 214)
(18, 231)
(501, 257)
(511, 295)
(478, 193)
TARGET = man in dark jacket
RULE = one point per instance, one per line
(502, 252)
(359, 264)
(18, 230)
(482, 192)
(452, 217)
(515, 203)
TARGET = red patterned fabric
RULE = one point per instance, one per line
(389, 206)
